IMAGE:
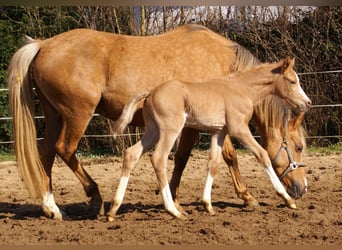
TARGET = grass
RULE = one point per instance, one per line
(333, 148)
(6, 156)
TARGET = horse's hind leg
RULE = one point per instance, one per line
(230, 157)
(47, 156)
(131, 158)
(159, 161)
(213, 164)
(187, 140)
(71, 132)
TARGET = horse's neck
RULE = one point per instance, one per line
(257, 86)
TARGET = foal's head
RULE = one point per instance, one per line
(287, 85)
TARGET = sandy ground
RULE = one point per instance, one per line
(143, 221)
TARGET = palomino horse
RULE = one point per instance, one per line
(82, 71)
(219, 105)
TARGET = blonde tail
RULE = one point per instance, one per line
(22, 108)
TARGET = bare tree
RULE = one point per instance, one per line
(143, 21)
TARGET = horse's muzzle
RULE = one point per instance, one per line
(297, 190)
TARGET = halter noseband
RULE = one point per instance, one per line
(293, 165)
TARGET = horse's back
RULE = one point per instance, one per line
(106, 70)
(201, 103)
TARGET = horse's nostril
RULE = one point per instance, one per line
(297, 190)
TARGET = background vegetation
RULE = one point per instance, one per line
(312, 35)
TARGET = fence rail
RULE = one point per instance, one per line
(135, 134)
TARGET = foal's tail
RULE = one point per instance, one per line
(127, 114)
(22, 108)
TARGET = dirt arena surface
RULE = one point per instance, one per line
(143, 221)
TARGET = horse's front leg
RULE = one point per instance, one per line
(244, 135)
(230, 157)
(213, 163)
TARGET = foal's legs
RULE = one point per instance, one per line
(131, 158)
(230, 157)
(159, 161)
(213, 164)
(187, 140)
(182, 154)
(244, 135)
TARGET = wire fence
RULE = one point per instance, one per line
(201, 134)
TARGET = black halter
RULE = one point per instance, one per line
(293, 165)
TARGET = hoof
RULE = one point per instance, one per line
(292, 206)
(211, 212)
(110, 215)
(59, 217)
(55, 215)
(249, 208)
(110, 218)
(208, 207)
(96, 206)
(251, 203)
(176, 214)
(180, 217)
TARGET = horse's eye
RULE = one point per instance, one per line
(290, 80)
(298, 149)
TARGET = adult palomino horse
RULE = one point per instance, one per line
(219, 105)
(82, 71)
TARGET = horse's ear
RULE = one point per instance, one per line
(283, 65)
(296, 121)
(287, 63)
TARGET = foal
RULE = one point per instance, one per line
(221, 106)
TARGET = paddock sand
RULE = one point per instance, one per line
(143, 221)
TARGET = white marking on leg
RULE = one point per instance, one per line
(276, 183)
(168, 202)
(207, 189)
(120, 193)
(306, 184)
(50, 208)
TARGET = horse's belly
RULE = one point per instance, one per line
(205, 122)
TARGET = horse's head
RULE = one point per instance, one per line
(283, 136)
(286, 148)
(288, 86)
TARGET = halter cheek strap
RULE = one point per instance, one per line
(293, 165)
